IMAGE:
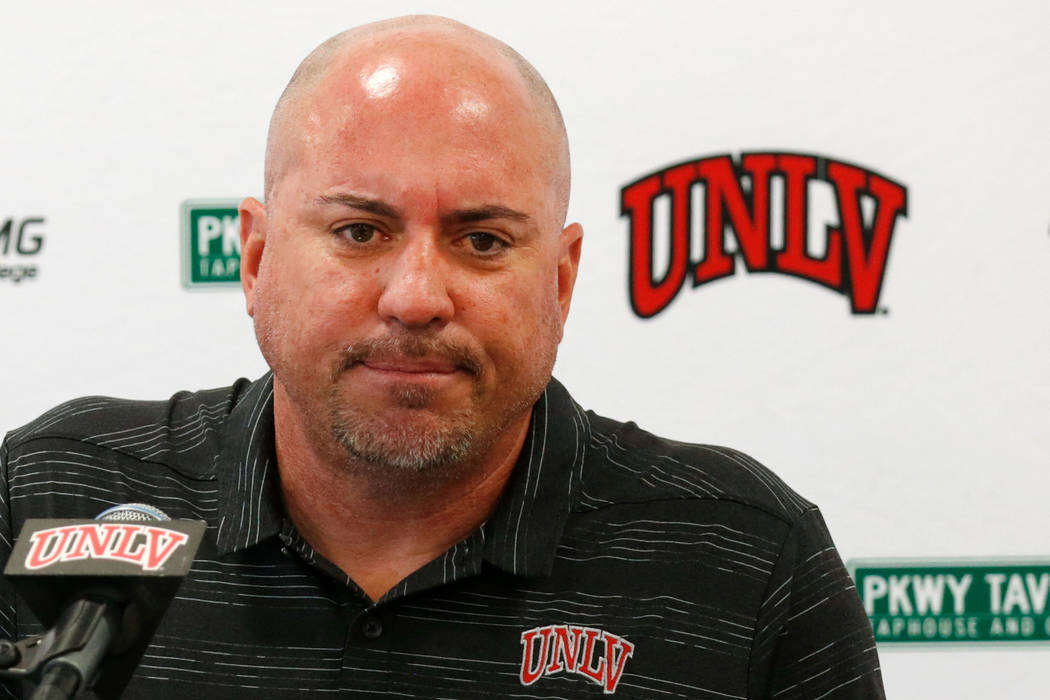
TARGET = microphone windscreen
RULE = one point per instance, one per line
(133, 511)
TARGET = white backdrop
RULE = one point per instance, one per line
(920, 432)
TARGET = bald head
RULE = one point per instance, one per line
(470, 58)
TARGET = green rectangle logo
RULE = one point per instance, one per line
(984, 601)
(211, 243)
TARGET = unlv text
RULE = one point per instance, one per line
(736, 197)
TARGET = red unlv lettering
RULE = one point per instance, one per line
(737, 198)
(144, 545)
(592, 653)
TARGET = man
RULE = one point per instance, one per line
(409, 505)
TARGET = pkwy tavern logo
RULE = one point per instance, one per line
(593, 654)
(807, 216)
(211, 243)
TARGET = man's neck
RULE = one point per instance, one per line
(379, 527)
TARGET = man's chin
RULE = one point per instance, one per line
(413, 397)
(409, 443)
(397, 393)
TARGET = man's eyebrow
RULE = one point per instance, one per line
(463, 216)
(373, 206)
(484, 213)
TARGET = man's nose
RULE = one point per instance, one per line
(416, 293)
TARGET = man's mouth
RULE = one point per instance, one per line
(409, 354)
(411, 365)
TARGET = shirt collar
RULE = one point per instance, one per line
(522, 535)
(250, 507)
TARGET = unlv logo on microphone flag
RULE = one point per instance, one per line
(708, 197)
(145, 545)
(69, 547)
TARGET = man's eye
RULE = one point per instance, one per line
(360, 233)
(485, 242)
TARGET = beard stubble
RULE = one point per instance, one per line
(424, 442)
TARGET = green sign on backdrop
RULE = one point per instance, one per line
(945, 601)
(211, 243)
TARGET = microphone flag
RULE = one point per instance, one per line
(128, 564)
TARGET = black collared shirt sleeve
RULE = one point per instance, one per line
(812, 638)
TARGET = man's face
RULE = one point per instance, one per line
(409, 277)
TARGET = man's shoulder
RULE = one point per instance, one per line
(628, 465)
(158, 431)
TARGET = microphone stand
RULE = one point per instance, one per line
(102, 587)
(68, 656)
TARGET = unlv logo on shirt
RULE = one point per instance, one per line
(592, 653)
(147, 546)
(737, 197)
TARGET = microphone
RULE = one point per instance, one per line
(101, 587)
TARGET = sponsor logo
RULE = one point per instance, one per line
(594, 654)
(832, 224)
(146, 546)
(21, 239)
(950, 601)
(211, 243)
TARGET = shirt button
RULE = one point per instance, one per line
(372, 628)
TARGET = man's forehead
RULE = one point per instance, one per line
(406, 187)
(446, 68)
(411, 80)
(419, 99)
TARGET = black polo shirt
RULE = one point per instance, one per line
(616, 562)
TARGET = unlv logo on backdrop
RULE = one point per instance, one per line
(736, 195)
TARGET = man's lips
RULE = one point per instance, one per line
(411, 365)
(412, 355)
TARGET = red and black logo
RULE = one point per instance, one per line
(594, 654)
(146, 546)
(736, 197)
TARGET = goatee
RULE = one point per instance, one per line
(422, 442)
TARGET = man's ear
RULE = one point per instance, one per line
(568, 264)
(253, 240)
